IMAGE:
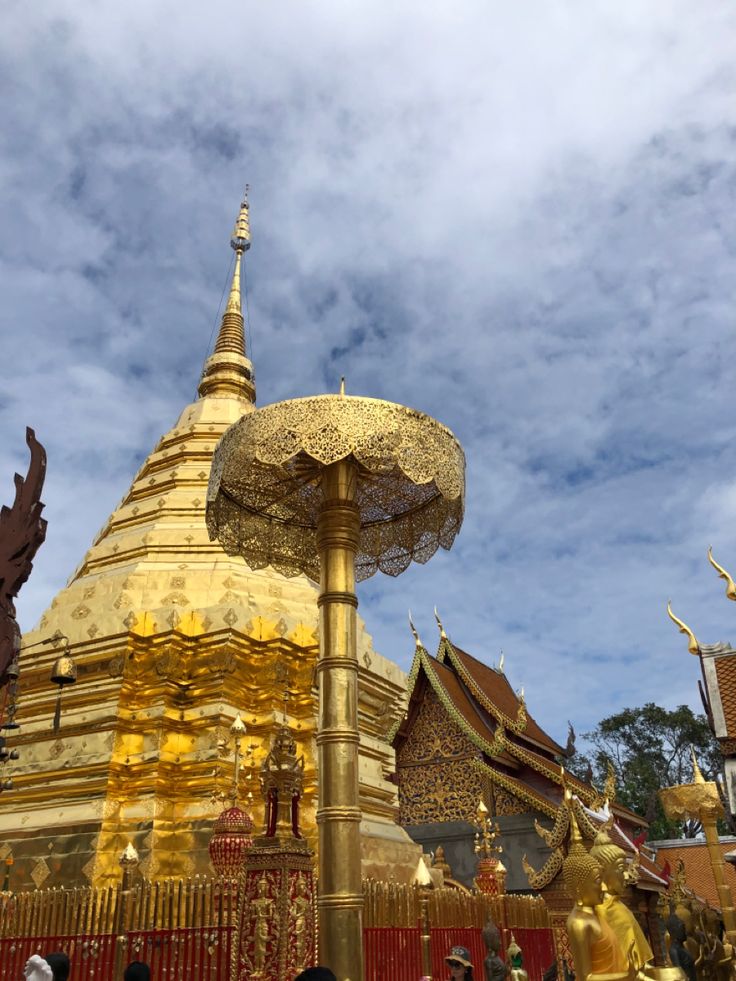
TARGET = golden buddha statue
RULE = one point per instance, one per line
(612, 860)
(596, 951)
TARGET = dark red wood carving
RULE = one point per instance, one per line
(22, 532)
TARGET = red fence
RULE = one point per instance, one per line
(173, 955)
(92, 958)
(395, 952)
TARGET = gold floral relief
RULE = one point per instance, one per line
(506, 803)
(434, 736)
(439, 792)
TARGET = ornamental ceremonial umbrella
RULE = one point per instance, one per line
(337, 487)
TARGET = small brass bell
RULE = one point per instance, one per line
(13, 669)
(64, 672)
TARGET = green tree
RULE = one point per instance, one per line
(649, 749)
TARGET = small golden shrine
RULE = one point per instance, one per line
(172, 638)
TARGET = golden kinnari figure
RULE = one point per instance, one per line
(337, 487)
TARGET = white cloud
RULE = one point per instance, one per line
(515, 217)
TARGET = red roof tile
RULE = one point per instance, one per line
(496, 686)
(726, 675)
(698, 872)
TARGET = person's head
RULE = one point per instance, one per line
(316, 974)
(137, 971)
(37, 969)
(461, 967)
(59, 964)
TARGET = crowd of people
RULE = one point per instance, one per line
(56, 967)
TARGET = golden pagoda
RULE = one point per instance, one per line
(172, 638)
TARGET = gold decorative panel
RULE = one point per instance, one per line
(434, 736)
(439, 792)
(507, 803)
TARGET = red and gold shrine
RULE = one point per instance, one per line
(276, 914)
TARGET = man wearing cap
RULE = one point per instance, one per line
(461, 967)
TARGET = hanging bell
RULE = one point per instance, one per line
(64, 672)
(13, 669)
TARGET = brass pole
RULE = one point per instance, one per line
(128, 863)
(716, 861)
(340, 900)
(425, 933)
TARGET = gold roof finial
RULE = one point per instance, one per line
(730, 584)
(417, 641)
(443, 635)
(228, 371)
(500, 665)
(697, 775)
(693, 646)
(609, 786)
(576, 839)
(342, 385)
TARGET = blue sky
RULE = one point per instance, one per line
(515, 217)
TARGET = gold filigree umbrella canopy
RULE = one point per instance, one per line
(265, 493)
(337, 487)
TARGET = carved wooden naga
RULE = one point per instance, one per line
(22, 532)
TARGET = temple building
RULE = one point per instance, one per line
(171, 639)
(718, 691)
(467, 735)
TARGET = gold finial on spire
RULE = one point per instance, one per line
(228, 371)
(342, 385)
(730, 584)
(443, 635)
(693, 646)
(417, 641)
(697, 775)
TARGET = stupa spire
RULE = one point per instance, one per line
(228, 371)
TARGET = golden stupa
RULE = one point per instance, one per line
(172, 639)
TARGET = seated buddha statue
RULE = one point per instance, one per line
(619, 917)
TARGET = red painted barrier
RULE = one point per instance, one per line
(391, 953)
(92, 958)
(537, 950)
(173, 955)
